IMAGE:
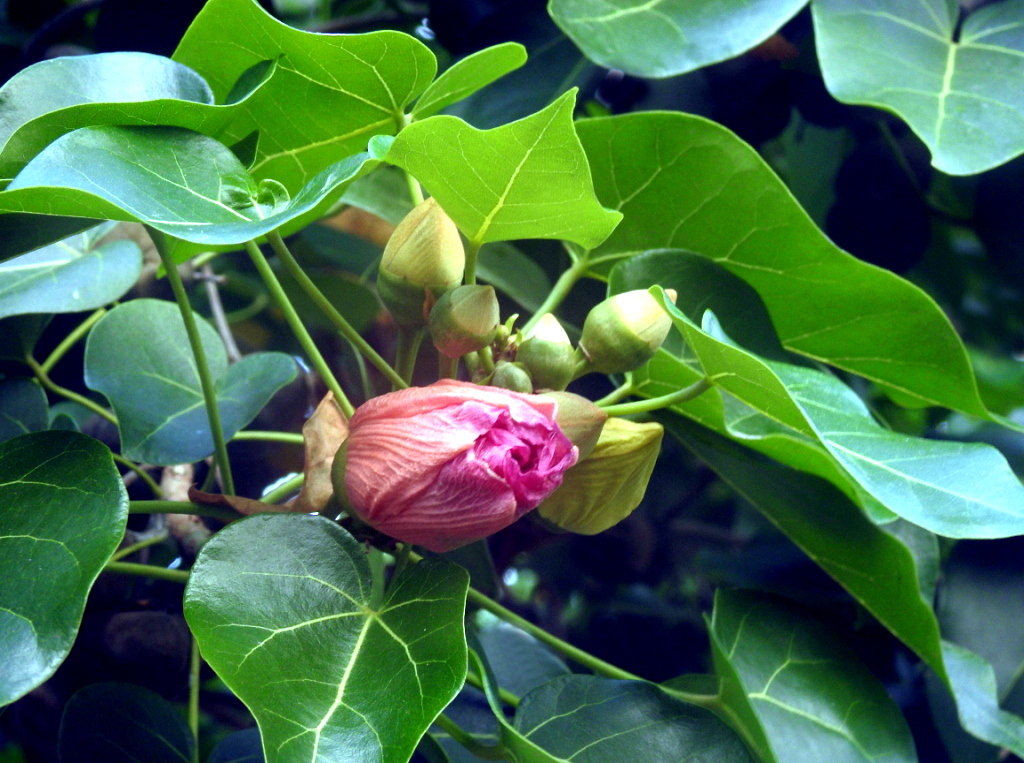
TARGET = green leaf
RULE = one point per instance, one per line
(123, 723)
(23, 408)
(961, 90)
(63, 510)
(179, 182)
(520, 662)
(805, 688)
(69, 276)
(240, 747)
(686, 183)
(54, 97)
(511, 271)
(280, 605)
(468, 75)
(527, 179)
(21, 332)
(592, 720)
(383, 193)
(662, 38)
(345, 87)
(154, 388)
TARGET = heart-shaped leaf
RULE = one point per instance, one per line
(123, 723)
(687, 183)
(960, 88)
(527, 179)
(69, 276)
(54, 97)
(63, 510)
(177, 181)
(138, 355)
(281, 607)
(23, 408)
(668, 37)
(468, 75)
(347, 87)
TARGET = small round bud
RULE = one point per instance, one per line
(464, 320)
(623, 332)
(512, 376)
(423, 259)
(548, 353)
(605, 487)
(579, 419)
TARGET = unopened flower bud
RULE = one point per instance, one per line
(547, 353)
(623, 332)
(464, 320)
(512, 376)
(579, 419)
(424, 258)
(605, 487)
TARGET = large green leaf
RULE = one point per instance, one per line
(527, 179)
(329, 95)
(54, 97)
(662, 38)
(177, 181)
(805, 688)
(593, 720)
(123, 723)
(63, 510)
(69, 276)
(281, 607)
(468, 75)
(23, 408)
(154, 388)
(960, 89)
(684, 182)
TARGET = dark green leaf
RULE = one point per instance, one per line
(662, 38)
(280, 605)
(383, 193)
(468, 75)
(69, 276)
(684, 182)
(510, 271)
(961, 89)
(240, 747)
(23, 408)
(63, 510)
(138, 355)
(123, 723)
(806, 689)
(528, 179)
(21, 332)
(520, 662)
(345, 87)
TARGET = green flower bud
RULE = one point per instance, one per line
(579, 419)
(604, 488)
(548, 353)
(623, 332)
(424, 258)
(464, 320)
(513, 376)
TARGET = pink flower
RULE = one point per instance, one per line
(444, 465)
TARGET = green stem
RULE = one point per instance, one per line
(656, 403)
(447, 368)
(467, 740)
(193, 698)
(220, 446)
(147, 571)
(585, 659)
(559, 291)
(472, 250)
(143, 474)
(415, 192)
(74, 397)
(69, 341)
(220, 513)
(288, 486)
(506, 696)
(402, 561)
(318, 298)
(406, 352)
(292, 317)
(152, 540)
(616, 394)
(293, 438)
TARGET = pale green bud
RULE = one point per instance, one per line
(464, 320)
(548, 353)
(623, 332)
(579, 419)
(513, 376)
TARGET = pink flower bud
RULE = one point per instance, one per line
(444, 465)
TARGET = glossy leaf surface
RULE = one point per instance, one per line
(281, 607)
(23, 408)
(960, 88)
(69, 276)
(63, 510)
(663, 38)
(159, 404)
(527, 179)
(468, 75)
